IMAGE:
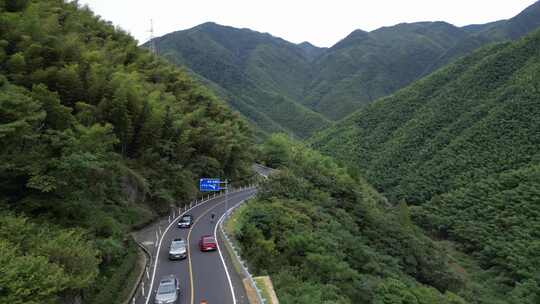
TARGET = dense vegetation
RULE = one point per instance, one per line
(464, 145)
(367, 65)
(259, 75)
(497, 221)
(281, 86)
(326, 237)
(96, 136)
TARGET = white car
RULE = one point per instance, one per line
(178, 250)
(168, 290)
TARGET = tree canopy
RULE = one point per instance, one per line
(462, 145)
(327, 237)
(97, 136)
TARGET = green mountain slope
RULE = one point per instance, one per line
(443, 113)
(97, 137)
(365, 66)
(470, 133)
(327, 237)
(264, 76)
(496, 220)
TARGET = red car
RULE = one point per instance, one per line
(207, 243)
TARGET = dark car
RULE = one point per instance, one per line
(168, 290)
(186, 221)
(207, 243)
(178, 250)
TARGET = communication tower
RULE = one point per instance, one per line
(152, 41)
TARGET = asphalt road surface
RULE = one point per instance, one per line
(262, 170)
(203, 275)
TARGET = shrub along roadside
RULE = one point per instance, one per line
(323, 237)
(116, 280)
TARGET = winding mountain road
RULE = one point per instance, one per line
(205, 276)
(208, 276)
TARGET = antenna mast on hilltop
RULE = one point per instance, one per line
(152, 47)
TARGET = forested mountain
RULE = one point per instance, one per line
(273, 82)
(96, 137)
(259, 75)
(327, 237)
(367, 65)
(464, 145)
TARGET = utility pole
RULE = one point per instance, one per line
(152, 47)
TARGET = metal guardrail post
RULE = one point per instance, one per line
(140, 291)
(236, 256)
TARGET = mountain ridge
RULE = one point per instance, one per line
(250, 66)
(323, 85)
(461, 146)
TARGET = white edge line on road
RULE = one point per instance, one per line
(219, 250)
(159, 249)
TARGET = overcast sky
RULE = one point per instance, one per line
(322, 23)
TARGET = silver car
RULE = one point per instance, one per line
(177, 250)
(168, 290)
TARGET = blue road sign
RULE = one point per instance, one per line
(209, 184)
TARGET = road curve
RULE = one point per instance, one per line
(263, 170)
(203, 275)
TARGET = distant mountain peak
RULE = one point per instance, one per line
(209, 23)
(357, 70)
(358, 32)
(212, 25)
(306, 44)
(356, 35)
(311, 52)
(413, 26)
